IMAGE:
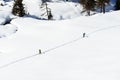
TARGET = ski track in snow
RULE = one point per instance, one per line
(59, 46)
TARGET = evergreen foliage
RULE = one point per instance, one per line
(88, 5)
(117, 5)
(101, 4)
(18, 8)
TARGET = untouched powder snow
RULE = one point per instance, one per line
(95, 57)
(7, 30)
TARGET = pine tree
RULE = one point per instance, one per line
(117, 5)
(82, 2)
(88, 5)
(18, 8)
(102, 4)
(47, 12)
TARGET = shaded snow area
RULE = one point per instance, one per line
(7, 30)
(4, 17)
(66, 55)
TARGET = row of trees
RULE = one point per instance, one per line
(88, 5)
(91, 5)
(18, 9)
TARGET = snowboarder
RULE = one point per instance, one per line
(84, 35)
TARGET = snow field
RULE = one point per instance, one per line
(95, 57)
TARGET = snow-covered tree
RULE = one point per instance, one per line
(47, 11)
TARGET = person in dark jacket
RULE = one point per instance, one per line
(84, 34)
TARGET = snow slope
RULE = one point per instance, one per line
(66, 55)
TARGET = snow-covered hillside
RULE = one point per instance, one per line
(36, 49)
(65, 54)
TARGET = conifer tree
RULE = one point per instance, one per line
(47, 12)
(82, 2)
(117, 5)
(88, 5)
(102, 4)
(18, 8)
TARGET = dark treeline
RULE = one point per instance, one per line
(91, 5)
(117, 5)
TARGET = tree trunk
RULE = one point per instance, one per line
(88, 12)
(101, 8)
(104, 8)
